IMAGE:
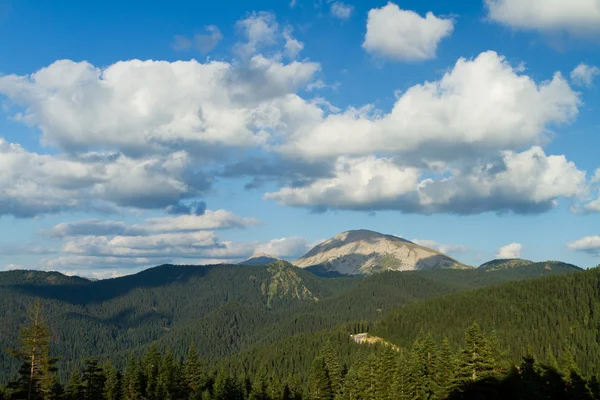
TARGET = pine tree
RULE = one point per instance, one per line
(319, 386)
(423, 368)
(57, 391)
(332, 364)
(368, 377)
(446, 370)
(93, 380)
(195, 377)
(351, 388)
(401, 387)
(274, 388)
(75, 386)
(151, 365)
(259, 386)
(385, 374)
(478, 358)
(37, 373)
(132, 387)
(112, 383)
(226, 387)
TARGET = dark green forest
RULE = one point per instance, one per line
(278, 332)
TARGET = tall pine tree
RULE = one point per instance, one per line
(37, 373)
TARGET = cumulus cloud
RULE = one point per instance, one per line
(287, 247)
(512, 250)
(575, 16)
(584, 75)
(259, 30)
(587, 244)
(442, 248)
(203, 42)
(482, 104)
(292, 46)
(142, 107)
(522, 182)
(341, 10)
(403, 34)
(33, 183)
(209, 220)
(357, 183)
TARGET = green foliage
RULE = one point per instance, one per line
(544, 314)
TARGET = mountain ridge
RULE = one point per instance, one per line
(364, 252)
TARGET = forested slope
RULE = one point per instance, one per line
(551, 315)
(223, 310)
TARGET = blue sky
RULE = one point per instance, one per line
(139, 133)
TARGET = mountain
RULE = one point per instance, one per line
(259, 259)
(222, 309)
(504, 263)
(519, 266)
(364, 252)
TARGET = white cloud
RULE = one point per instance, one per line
(442, 248)
(208, 41)
(292, 46)
(138, 107)
(210, 220)
(357, 182)
(481, 105)
(404, 35)
(260, 30)
(203, 42)
(287, 247)
(32, 183)
(575, 16)
(512, 250)
(584, 75)
(522, 182)
(341, 10)
(587, 244)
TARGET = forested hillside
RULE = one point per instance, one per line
(426, 369)
(551, 316)
(223, 310)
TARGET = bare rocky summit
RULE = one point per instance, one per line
(364, 252)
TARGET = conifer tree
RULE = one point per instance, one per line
(151, 365)
(478, 358)
(112, 383)
(385, 374)
(75, 386)
(319, 386)
(195, 377)
(93, 380)
(368, 377)
(226, 387)
(259, 386)
(401, 387)
(132, 383)
(446, 369)
(37, 373)
(169, 378)
(423, 367)
(351, 388)
(332, 364)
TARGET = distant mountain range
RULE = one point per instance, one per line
(365, 252)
